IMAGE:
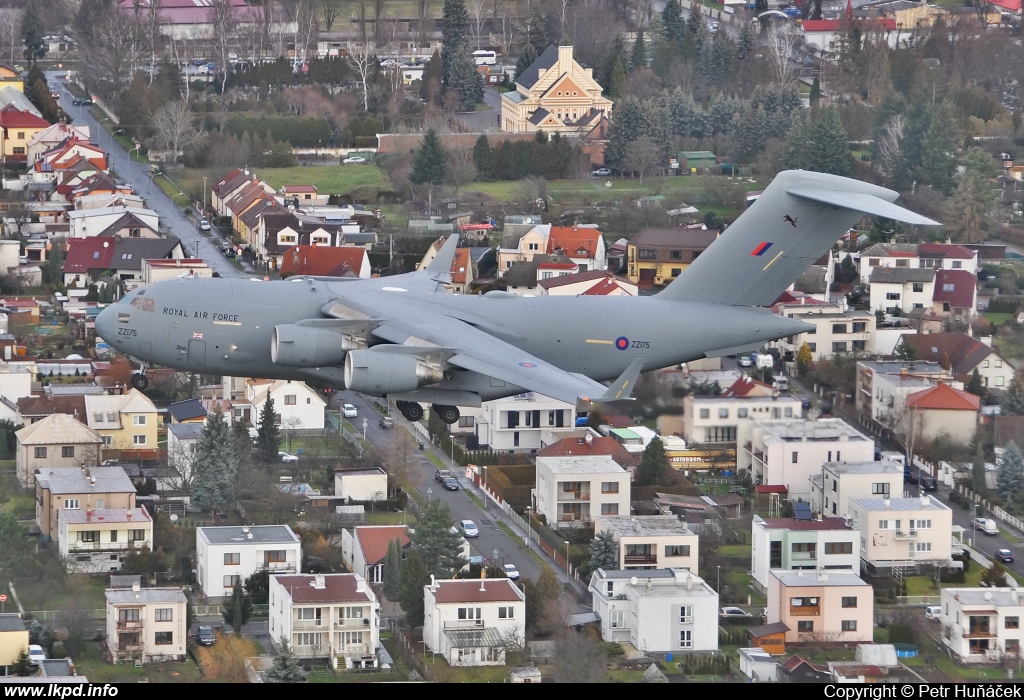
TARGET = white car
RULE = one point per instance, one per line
(354, 160)
(745, 361)
(349, 411)
(933, 612)
(469, 528)
(511, 571)
(204, 225)
(285, 457)
(36, 654)
(733, 612)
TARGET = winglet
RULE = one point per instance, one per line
(442, 262)
(621, 388)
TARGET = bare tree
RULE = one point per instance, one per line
(224, 19)
(643, 155)
(10, 29)
(423, 21)
(461, 170)
(363, 60)
(118, 45)
(180, 461)
(888, 143)
(478, 11)
(307, 23)
(330, 10)
(182, 51)
(378, 15)
(261, 21)
(506, 25)
(779, 43)
(151, 24)
(174, 128)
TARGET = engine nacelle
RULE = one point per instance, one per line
(308, 346)
(381, 373)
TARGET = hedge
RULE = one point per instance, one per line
(300, 132)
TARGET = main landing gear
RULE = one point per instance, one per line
(140, 381)
(414, 412)
(447, 414)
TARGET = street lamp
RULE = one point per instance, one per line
(529, 527)
(494, 559)
(567, 558)
(719, 587)
(484, 467)
(365, 422)
(204, 195)
(119, 131)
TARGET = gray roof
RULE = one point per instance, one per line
(545, 61)
(899, 504)
(189, 408)
(880, 467)
(127, 596)
(125, 580)
(819, 578)
(74, 480)
(130, 252)
(11, 622)
(901, 275)
(263, 534)
(57, 668)
(186, 431)
(638, 525)
(985, 596)
(514, 96)
(538, 116)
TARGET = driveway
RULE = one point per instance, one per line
(486, 120)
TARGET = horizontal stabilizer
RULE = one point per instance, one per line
(621, 388)
(866, 203)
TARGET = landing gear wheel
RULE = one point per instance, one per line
(412, 411)
(140, 381)
(447, 414)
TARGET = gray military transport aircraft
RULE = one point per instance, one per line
(407, 338)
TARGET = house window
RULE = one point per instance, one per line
(677, 550)
(685, 614)
(1011, 623)
(230, 581)
(849, 601)
(704, 413)
(307, 639)
(305, 614)
(685, 639)
(609, 487)
(89, 536)
(920, 524)
(232, 558)
(793, 458)
(922, 546)
(618, 620)
(957, 265)
(838, 327)
(128, 615)
(609, 509)
(813, 347)
(723, 413)
(918, 287)
(289, 399)
(164, 638)
(859, 327)
(859, 345)
(469, 614)
(872, 262)
(136, 535)
(111, 417)
(839, 347)
(676, 255)
(164, 615)
(40, 453)
(849, 625)
(138, 420)
(70, 504)
(839, 548)
(999, 381)
(108, 440)
(67, 451)
(98, 417)
(741, 412)
(276, 556)
(138, 439)
(892, 296)
(113, 535)
(805, 626)
(880, 489)
(506, 612)
(902, 263)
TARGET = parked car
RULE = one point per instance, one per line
(285, 457)
(205, 636)
(386, 422)
(468, 528)
(54, 94)
(910, 476)
(349, 411)
(602, 172)
(36, 655)
(441, 474)
(511, 571)
(81, 101)
(987, 525)
(733, 612)
(1005, 556)
(933, 612)
(354, 160)
(745, 361)
(204, 225)
(928, 482)
(450, 484)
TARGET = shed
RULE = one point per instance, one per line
(525, 674)
(757, 665)
(770, 638)
(695, 161)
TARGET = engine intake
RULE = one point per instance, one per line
(381, 373)
(306, 346)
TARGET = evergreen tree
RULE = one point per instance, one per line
(978, 482)
(527, 55)
(672, 23)
(653, 464)
(483, 158)
(746, 41)
(539, 593)
(638, 56)
(431, 161)
(967, 211)
(392, 575)
(616, 80)
(440, 548)
(241, 443)
(268, 435)
(454, 36)
(286, 667)
(695, 20)
(829, 149)
(257, 587)
(214, 485)
(938, 150)
(1012, 403)
(815, 90)
(604, 552)
(430, 83)
(414, 578)
(465, 79)
(32, 33)
(975, 386)
(23, 665)
(237, 610)
(795, 155)
(1010, 477)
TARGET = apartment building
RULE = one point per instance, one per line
(518, 423)
(146, 624)
(651, 541)
(836, 329)
(901, 532)
(838, 482)
(230, 554)
(578, 489)
(787, 544)
(727, 421)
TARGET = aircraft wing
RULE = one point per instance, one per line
(461, 345)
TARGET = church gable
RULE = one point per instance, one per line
(565, 88)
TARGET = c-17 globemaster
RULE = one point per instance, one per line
(407, 338)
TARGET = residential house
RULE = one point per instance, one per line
(981, 625)
(126, 422)
(86, 260)
(471, 622)
(790, 544)
(16, 129)
(32, 409)
(42, 141)
(823, 35)
(821, 606)
(56, 441)
(555, 94)
(930, 256)
(836, 329)
(901, 290)
(656, 612)
(727, 421)
(463, 268)
(97, 541)
(130, 253)
(67, 155)
(297, 406)
(231, 554)
(74, 488)
(955, 295)
(187, 411)
(880, 384)
(226, 188)
(369, 484)
(129, 225)
(651, 541)
(589, 444)
(577, 489)
(182, 268)
(788, 453)
(962, 354)
(365, 547)
(896, 533)
(519, 423)
(943, 410)
(249, 220)
(518, 247)
(798, 670)
(13, 639)
(332, 616)
(524, 277)
(303, 196)
(86, 223)
(335, 261)
(593, 283)
(146, 624)
(582, 245)
(757, 665)
(656, 256)
(840, 482)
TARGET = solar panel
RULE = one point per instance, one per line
(802, 510)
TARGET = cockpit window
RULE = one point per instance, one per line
(143, 304)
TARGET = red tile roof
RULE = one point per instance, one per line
(944, 397)
(964, 352)
(746, 386)
(607, 286)
(461, 266)
(795, 298)
(11, 117)
(574, 240)
(86, 254)
(322, 261)
(375, 540)
(495, 590)
(298, 188)
(945, 250)
(956, 287)
(579, 447)
(338, 588)
(769, 488)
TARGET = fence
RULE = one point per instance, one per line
(50, 615)
(214, 610)
(917, 600)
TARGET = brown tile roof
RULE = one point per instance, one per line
(944, 397)
(746, 386)
(375, 540)
(574, 240)
(338, 588)
(579, 447)
(45, 405)
(495, 590)
(688, 237)
(322, 261)
(461, 266)
(964, 352)
(955, 287)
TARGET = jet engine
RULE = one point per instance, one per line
(382, 372)
(309, 346)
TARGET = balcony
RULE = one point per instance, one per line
(463, 624)
(133, 648)
(280, 567)
(130, 624)
(107, 546)
(805, 611)
(803, 556)
(306, 625)
(978, 633)
(574, 495)
(634, 559)
(352, 623)
(906, 534)
(573, 518)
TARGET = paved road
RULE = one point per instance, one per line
(172, 219)
(484, 121)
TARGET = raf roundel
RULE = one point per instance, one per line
(622, 342)
(527, 365)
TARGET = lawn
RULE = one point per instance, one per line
(594, 189)
(389, 519)
(93, 666)
(329, 179)
(21, 504)
(922, 585)
(998, 319)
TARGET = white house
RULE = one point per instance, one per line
(788, 453)
(326, 616)
(298, 406)
(789, 544)
(516, 423)
(97, 541)
(901, 532)
(229, 554)
(577, 489)
(839, 482)
(651, 541)
(471, 622)
(361, 484)
(900, 290)
(364, 548)
(91, 222)
(713, 420)
(929, 256)
(982, 624)
(659, 611)
(146, 624)
(836, 329)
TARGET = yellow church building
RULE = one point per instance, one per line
(555, 94)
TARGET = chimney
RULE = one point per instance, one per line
(925, 501)
(589, 439)
(433, 583)
(92, 481)
(648, 585)
(318, 582)
(483, 579)
(360, 584)
(129, 516)
(564, 59)
(135, 586)
(886, 502)
(248, 535)
(88, 515)
(88, 472)
(636, 525)
(689, 583)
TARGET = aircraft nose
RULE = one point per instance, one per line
(106, 321)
